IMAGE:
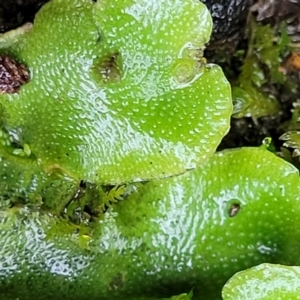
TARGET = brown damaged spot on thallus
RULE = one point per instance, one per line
(12, 75)
(109, 68)
(117, 282)
(234, 210)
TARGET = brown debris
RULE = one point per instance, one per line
(12, 75)
(291, 64)
(274, 11)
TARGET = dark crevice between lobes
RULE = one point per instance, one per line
(12, 75)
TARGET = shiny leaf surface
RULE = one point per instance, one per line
(189, 232)
(119, 91)
(264, 282)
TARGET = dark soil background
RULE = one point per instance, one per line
(14, 13)
(229, 35)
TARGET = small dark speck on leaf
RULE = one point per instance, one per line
(109, 68)
(12, 75)
(234, 210)
(117, 282)
(82, 184)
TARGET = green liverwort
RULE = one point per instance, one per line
(264, 282)
(190, 232)
(118, 91)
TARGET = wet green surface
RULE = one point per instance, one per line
(118, 99)
(192, 231)
(264, 282)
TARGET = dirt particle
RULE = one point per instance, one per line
(12, 75)
(234, 210)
